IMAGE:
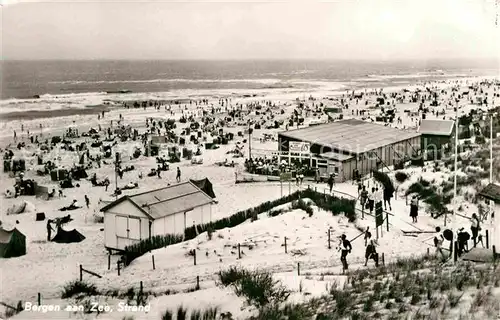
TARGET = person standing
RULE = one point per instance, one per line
(368, 235)
(474, 228)
(387, 198)
(330, 182)
(363, 197)
(345, 247)
(414, 208)
(371, 253)
(49, 229)
(178, 177)
(438, 243)
(371, 200)
(87, 201)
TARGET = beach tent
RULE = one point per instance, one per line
(58, 174)
(71, 236)
(21, 207)
(42, 192)
(12, 243)
(205, 185)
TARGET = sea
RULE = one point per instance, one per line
(54, 85)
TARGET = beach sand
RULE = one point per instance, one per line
(48, 266)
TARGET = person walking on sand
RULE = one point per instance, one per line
(330, 182)
(49, 229)
(387, 198)
(474, 228)
(438, 243)
(414, 209)
(371, 253)
(178, 177)
(87, 201)
(345, 248)
(371, 200)
(158, 172)
(363, 197)
(368, 235)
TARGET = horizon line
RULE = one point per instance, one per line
(258, 59)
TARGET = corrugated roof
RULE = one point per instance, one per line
(492, 192)
(166, 201)
(351, 135)
(437, 127)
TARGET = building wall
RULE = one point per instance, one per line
(178, 222)
(388, 155)
(430, 141)
(366, 161)
(125, 209)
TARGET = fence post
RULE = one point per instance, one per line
(286, 251)
(153, 258)
(494, 255)
(298, 268)
(387, 220)
(39, 299)
(329, 239)
(383, 259)
(81, 273)
(455, 256)
(487, 240)
(239, 251)
(109, 262)
(194, 256)
(197, 282)
(118, 264)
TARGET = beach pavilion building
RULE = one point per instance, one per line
(165, 211)
(437, 135)
(341, 147)
(491, 198)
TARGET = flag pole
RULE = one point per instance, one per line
(491, 148)
(455, 182)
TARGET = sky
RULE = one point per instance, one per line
(343, 29)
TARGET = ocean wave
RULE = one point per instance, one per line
(177, 80)
(434, 74)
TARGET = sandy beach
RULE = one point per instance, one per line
(47, 266)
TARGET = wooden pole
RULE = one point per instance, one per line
(153, 259)
(383, 259)
(141, 288)
(39, 299)
(118, 265)
(194, 256)
(455, 256)
(81, 273)
(329, 239)
(239, 251)
(286, 251)
(494, 255)
(298, 268)
(197, 282)
(487, 240)
(428, 253)
(387, 220)
(109, 262)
